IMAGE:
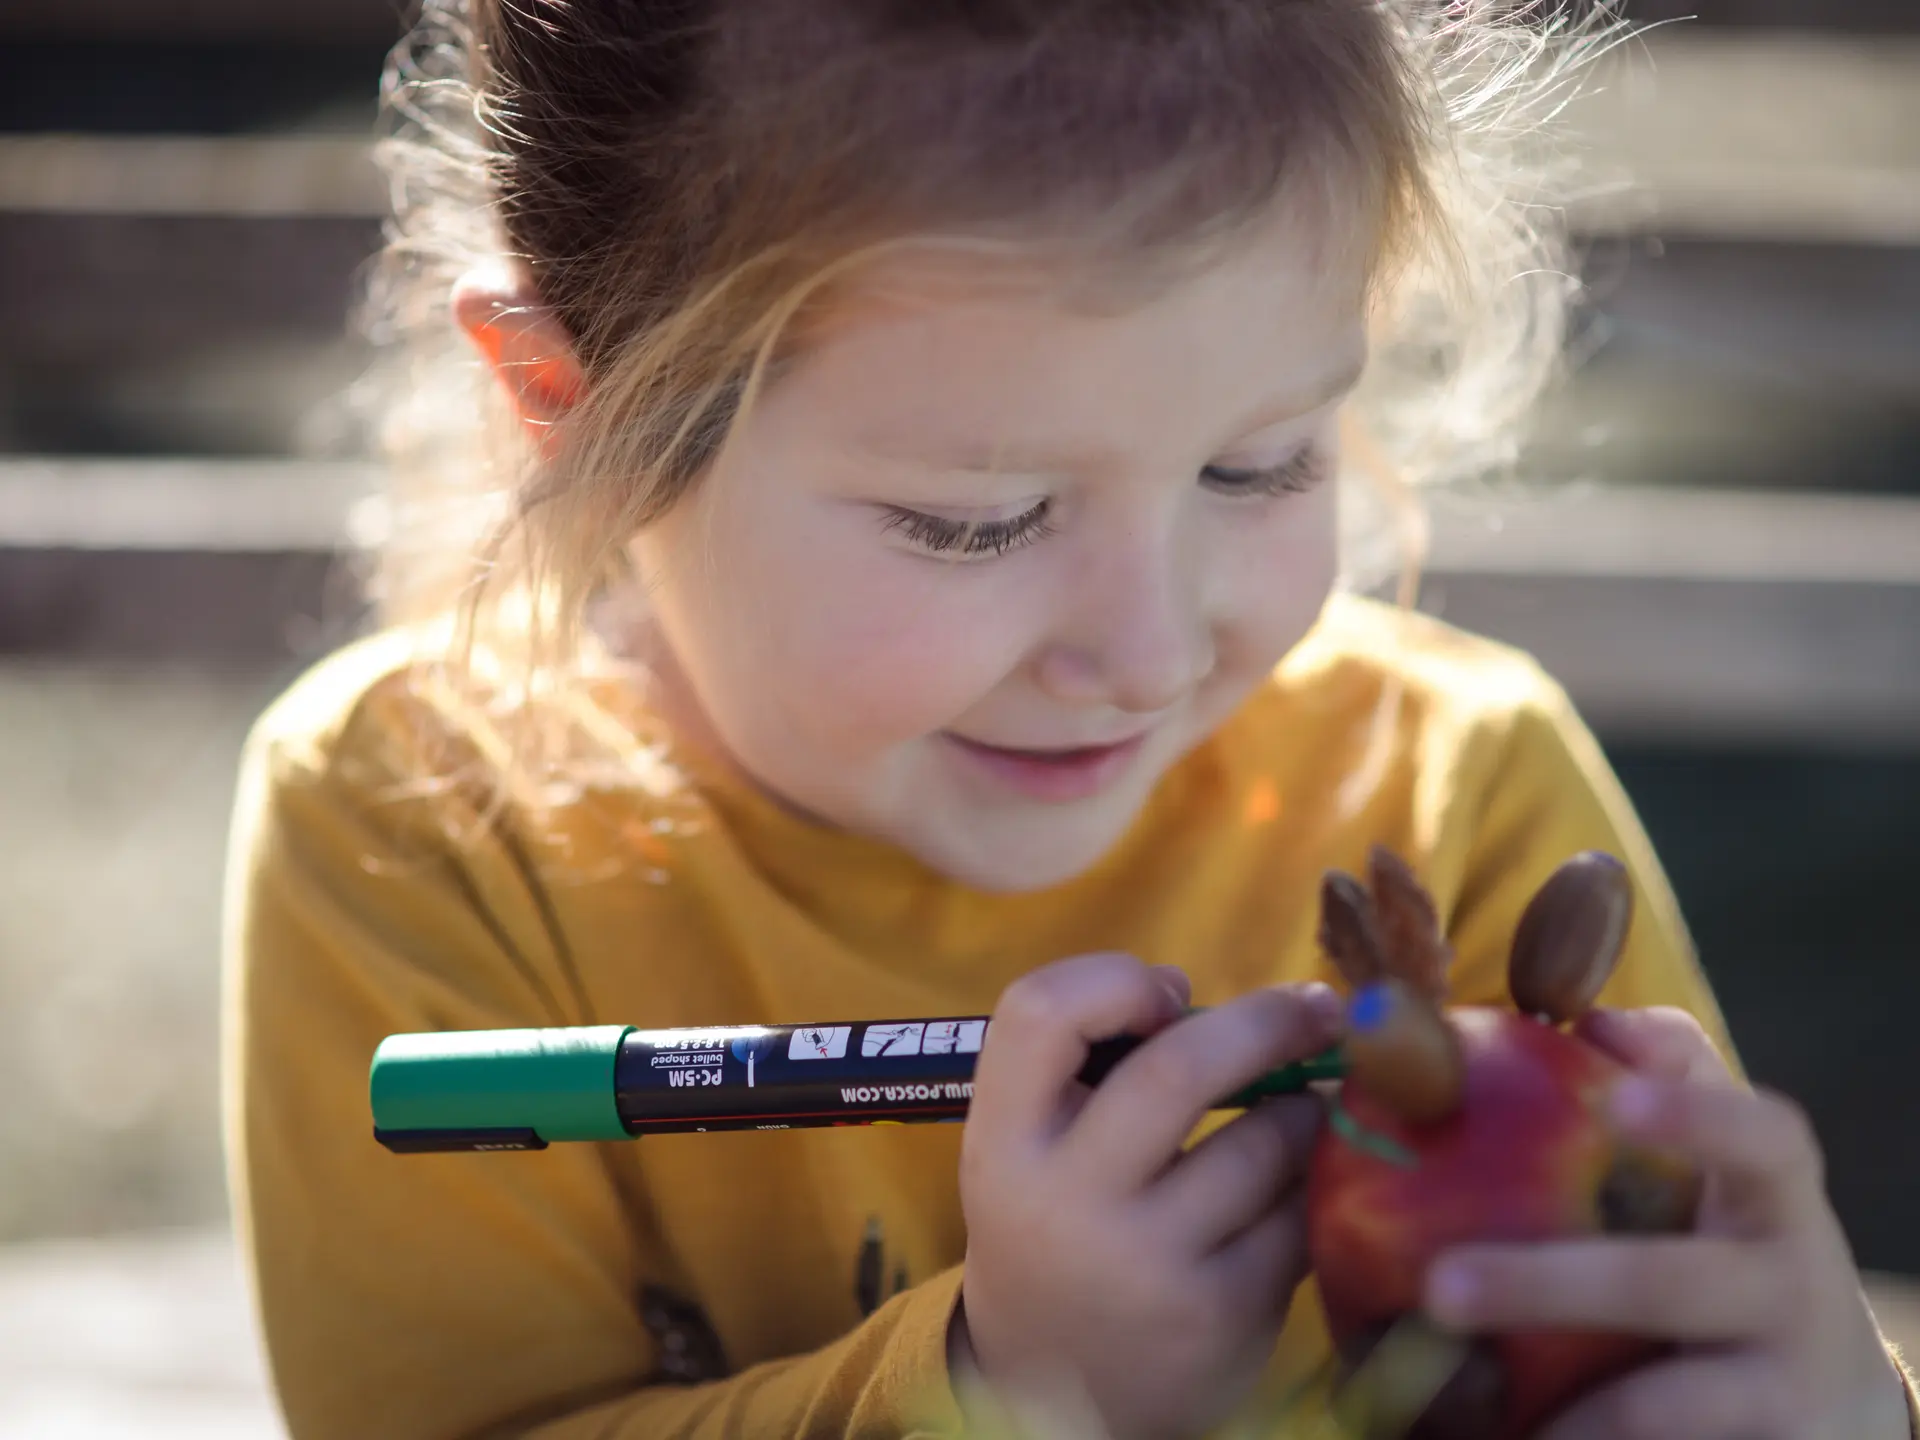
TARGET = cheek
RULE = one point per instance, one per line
(1283, 571)
(813, 634)
(876, 655)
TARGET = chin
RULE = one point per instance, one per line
(1021, 847)
(1025, 853)
(999, 874)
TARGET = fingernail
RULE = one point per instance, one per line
(1635, 1101)
(1174, 984)
(1325, 1004)
(1452, 1291)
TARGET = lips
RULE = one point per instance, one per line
(1052, 775)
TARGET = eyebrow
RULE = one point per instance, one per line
(1054, 460)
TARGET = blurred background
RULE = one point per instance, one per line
(1730, 588)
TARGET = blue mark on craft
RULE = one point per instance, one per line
(1371, 1008)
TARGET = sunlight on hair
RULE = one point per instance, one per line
(1473, 290)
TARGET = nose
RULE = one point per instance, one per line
(1138, 636)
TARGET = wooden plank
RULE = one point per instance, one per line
(1749, 618)
(1779, 137)
(92, 290)
(166, 607)
(1687, 535)
(196, 175)
(1720, 662)
(1689, 132)
(182, 506)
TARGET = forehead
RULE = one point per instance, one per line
(1029, 340)
(1321, 237)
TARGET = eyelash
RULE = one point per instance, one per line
(982, 537)
(1290, 477)
(938, 535)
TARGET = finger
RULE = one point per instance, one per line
(1041, 1030)
(1176, 980)
(1661, 1041)
(1701, 1397)
(1263, 1265)
(1759, 1147)
(1144, 1111)
(1238, 1173)
(1694, 1288)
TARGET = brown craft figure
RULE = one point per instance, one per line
(1476, 1123)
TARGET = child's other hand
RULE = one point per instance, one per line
(1764, 1300)
(1105, 1268)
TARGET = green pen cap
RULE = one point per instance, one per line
(558, 1083)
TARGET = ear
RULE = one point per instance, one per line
(523, 342)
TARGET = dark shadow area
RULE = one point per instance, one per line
(173, 88)
(1797, 873)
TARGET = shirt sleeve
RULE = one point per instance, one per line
(1540, 790)
(460, 1295)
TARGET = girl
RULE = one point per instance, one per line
(887, 568)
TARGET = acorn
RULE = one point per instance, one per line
(1570, 937)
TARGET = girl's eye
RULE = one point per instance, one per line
(1302, 472)
(939, 535)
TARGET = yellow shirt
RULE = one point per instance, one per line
(588, 1289)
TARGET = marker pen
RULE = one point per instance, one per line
(524, 1089)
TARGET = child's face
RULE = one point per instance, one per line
(1150, 491)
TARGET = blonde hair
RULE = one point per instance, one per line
(682, 179)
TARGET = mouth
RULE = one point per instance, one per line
(1054, 775)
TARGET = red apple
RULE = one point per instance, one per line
(1525, 1155)
(1472, 1124)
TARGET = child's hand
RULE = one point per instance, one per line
(1764, 1300)
(1104, 1266)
